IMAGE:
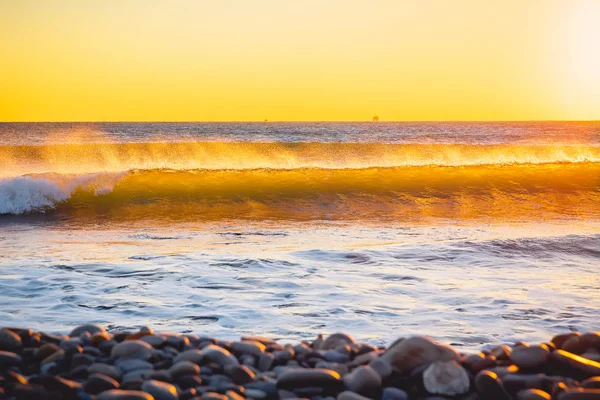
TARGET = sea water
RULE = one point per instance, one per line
(467, 232)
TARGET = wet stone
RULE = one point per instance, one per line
(160, 390)
(9, 359)
(447, 378)
(489, 386)
(530, 357)
(118, 394)
(132, 349)
(89, 328)
(591, 383)
(255, 349)
(586, 367)
(336, 340)
(105, 369)
(239, 374)
(417, 350)
(392, 393)
(9, 341)
(348, 395)
(579, 394)
(184, 367)
(98, 383)
(132, 364)
(218, 355)
(363, 380)
(297, 378)
(533, 394)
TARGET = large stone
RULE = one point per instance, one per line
(533, 394)
(414, 351)
(392, 393)
(131, 364)
(348, 395)
(530, 357)
(261, 339)
(160, 390)
(447, 378)
(9, 341)
(105, 369)
(9, 359)
(489, 386)
(98, 383)
(255, 349)
(363, 380)
(585, 366)
(89, 328)
(294, 378)
(118, 394)
(239, 374)
(132, 349)
(382, 367)
(579, 394)
(336, 340)
(184, 368)
(193, 355)
(218, 355)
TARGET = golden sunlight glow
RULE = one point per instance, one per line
(299, 60)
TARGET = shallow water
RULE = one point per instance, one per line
(482, 238)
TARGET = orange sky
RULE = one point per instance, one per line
(231, 60)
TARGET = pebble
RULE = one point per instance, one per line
(132, 349)
(533, 394)
(255, 349)
(98, 383)
(417, 350)
(94, 364)
(447, 378)
(363, 380)
(348, 395)
(160, 390)
(105, 369)
(336, 340)
(118, 394)
(265, 362)
(530, 357)
(193, 355)
(132, 364)
(8, 359)
(89, 328)
(9, 341)
(382, 367)
(579, 394)
(587, 367)
(239, 374)
(184, 367)
(299, 377)
(392, 393)
(489, 386)
(218, 355)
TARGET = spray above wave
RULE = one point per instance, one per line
(122, 157)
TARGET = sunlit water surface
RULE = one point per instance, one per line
(469, 233)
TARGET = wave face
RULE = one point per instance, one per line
(302, 180)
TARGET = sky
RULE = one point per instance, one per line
(301, 60)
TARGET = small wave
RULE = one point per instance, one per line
(398, 193)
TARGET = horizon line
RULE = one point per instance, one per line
(295, 121)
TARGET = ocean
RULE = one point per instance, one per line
(472, 233)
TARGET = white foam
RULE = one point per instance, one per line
(26, 194)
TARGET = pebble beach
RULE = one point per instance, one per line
(92, 363)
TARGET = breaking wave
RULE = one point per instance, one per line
(301, 180)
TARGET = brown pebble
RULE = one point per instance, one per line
(587, 367)
(579, 394)
(533, 394)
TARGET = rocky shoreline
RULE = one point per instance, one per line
(91, 363)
